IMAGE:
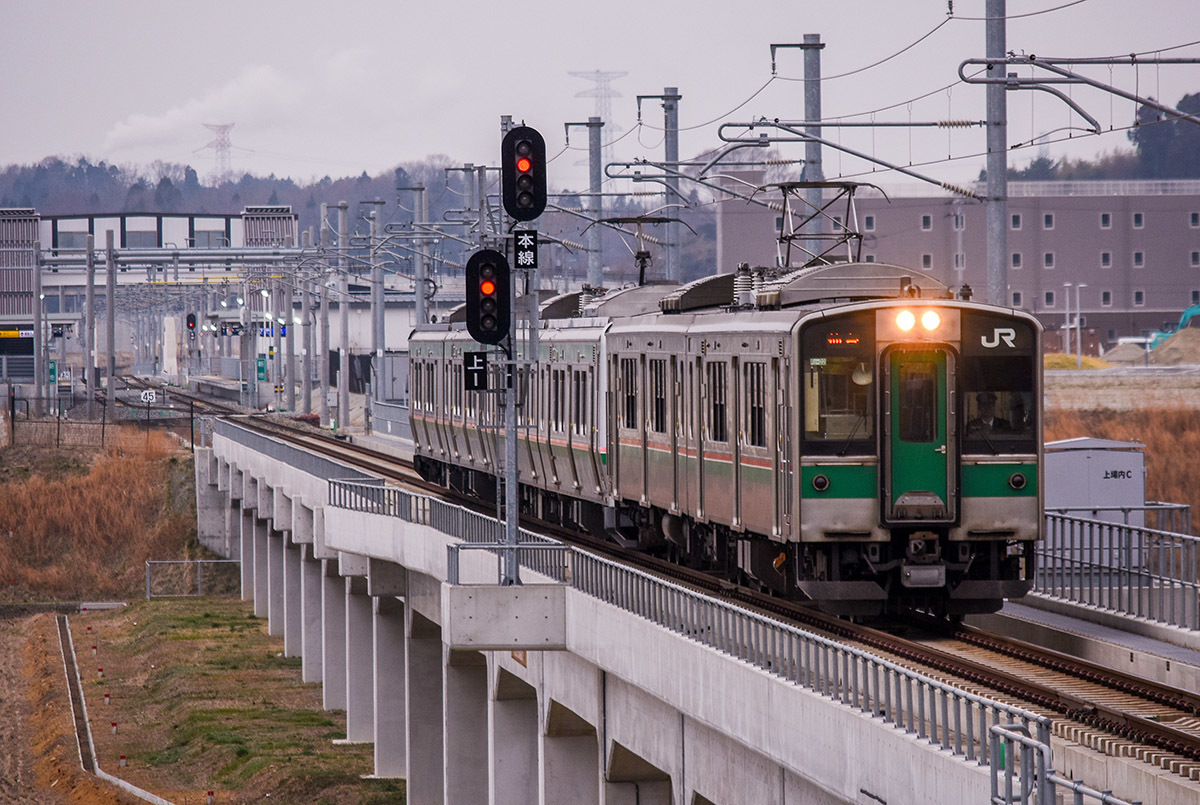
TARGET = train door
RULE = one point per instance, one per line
(919, 453)
(736, 403)
(677, 453)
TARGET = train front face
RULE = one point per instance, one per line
(920, 452)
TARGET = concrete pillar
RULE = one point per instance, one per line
(233, 531)
(246, 553)
(333, 638)
(310, 629)
(293, 599)
(570, 756)
(391, 720)
(360, 664)
(262, 564)
(632, 780)
(465, 712)
(423, 704)
(210, 505)
(513, 738)
(275, 582)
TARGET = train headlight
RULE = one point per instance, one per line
(820, 482)
(930, 320)
(1017, 481)
(905, 320)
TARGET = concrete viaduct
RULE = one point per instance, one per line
(588, 684)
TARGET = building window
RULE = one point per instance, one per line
(1016, 220)
(1016, 259)
(1138, 220)
(870, 258)
(72, 240)
(1139, 259)
(1106, 259)
(1195, 220)
(209, 240)
(1196, 258)
(869, 223)
(141, 240)
(960, 260)
(1106, 298)
(1139, 298)
(927, 222)
(837, 223)
(1106, 220)
(1016, 297)
(779, 222)
(1048, 260)
(927, 261)
(1049, 298)
(960, 222)
(1196, 297)
(1048, 221)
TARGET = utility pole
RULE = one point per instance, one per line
(89, 325)
(813, 169)
(344, 318)
(39, 338)
(110, 324)
(997, 156)
(291, 344)
(596, 205)
(323, 288)
(277, 333)
(671, 98)
(378, 323)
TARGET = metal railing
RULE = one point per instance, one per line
(1037, 778)
(1127, 569)
(1173, 517)
(954, 720)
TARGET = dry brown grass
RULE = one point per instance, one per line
(88, 534)
(1171, 436)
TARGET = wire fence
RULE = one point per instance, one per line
(76, 421)
(192, 578)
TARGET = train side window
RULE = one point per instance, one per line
(658, 396)
(580, 399)
(756, 404)
(629, 409)
(717, 429)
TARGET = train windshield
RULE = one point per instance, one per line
(838, 381)
(999, 407)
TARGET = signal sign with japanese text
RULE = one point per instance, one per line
(475, 371)
(526, 255)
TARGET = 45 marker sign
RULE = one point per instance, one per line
(526, 248)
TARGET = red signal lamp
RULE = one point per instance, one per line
(524, 164)
(487, 287)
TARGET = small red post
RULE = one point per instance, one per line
(93, 651)
(106, 701)
(100, 672)
(210, 798)
(114, 725)
(122, 761)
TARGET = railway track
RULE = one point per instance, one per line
(1110, 712)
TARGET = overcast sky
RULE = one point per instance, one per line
(318, 89)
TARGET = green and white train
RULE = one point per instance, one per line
(852, 434)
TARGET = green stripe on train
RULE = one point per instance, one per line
(992, 480)
(845, 481)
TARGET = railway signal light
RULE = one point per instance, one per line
(191, 321)
(488, 294)
(523, 173)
